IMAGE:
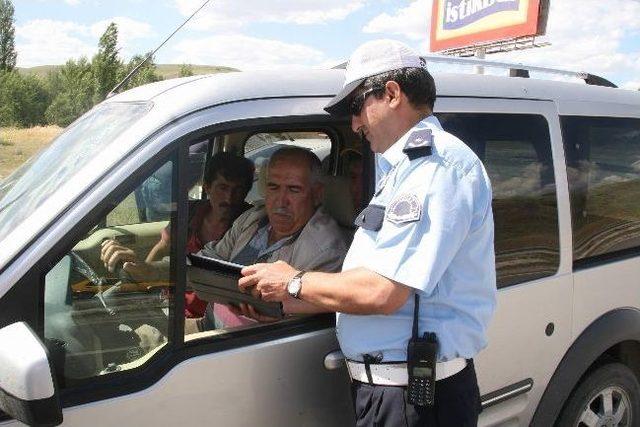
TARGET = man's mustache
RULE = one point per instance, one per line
(281, 211)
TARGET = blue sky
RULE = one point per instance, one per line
(585, 35)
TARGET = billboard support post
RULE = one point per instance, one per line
(480, 54)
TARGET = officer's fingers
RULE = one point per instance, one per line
(269, 295)
(255, 292)
(246, 282)
(252, 311)
(250, 270)
(244, 308)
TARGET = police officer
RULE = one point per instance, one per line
(417, 288)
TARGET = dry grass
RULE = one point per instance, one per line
(17, 145)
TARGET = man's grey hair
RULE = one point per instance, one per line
(298, 153)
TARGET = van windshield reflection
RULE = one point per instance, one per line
(22, 192)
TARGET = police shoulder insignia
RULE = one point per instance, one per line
(404, 208)
(419, 144)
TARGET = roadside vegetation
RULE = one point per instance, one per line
(36, 103)
(17, 145)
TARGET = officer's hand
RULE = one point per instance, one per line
(269, 279)
(112, 253)
(248, 310)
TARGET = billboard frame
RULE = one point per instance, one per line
(535, 25)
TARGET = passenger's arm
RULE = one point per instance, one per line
(159, 251)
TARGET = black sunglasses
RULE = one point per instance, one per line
(355, 108)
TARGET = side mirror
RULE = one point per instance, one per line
(28, 390)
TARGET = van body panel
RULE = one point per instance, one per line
(613, 109)
(608, 330)
(518, 342)
(255, 385)
(605, 288)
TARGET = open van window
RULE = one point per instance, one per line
(29, 186)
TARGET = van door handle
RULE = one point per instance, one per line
(334, 360)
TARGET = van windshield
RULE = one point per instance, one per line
(22, 192)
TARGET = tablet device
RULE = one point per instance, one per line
(214, 264)
(217, 281)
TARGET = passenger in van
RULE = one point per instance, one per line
(352, 160)
(227, 180)
(291, 227)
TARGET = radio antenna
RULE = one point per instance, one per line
(149, 56)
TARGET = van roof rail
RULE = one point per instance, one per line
(515, 70)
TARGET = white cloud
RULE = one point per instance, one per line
(45, 41)
(246, 53)
(227, 14)
(412, 22)
(72, 2)
(129, 30)
(587, 35)
(632, 85)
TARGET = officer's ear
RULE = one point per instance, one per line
(393, 93)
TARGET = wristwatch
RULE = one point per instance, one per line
(295, 285)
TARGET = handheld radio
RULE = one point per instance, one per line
(421, 363)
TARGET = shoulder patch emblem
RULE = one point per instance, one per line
(405, 208)
(419, 144)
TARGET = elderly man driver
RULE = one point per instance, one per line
(290, 227)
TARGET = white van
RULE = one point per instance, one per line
(564, 346)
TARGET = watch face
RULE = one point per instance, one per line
(294, 287)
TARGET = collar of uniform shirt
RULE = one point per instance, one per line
(394, 154)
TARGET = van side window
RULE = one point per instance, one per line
(99, 318)
(516, 151)
(263, 229)
(603, 170)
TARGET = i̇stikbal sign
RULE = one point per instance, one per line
(460, 23)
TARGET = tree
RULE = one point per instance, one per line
(72, 88)
(146, 73)
(7, 36)
(186, 70)
(106, 63)
(23, 100)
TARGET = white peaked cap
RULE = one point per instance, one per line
(371, 58)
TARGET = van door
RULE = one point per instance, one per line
(520, 145)
(119, 350)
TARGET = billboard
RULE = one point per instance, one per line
(460, 23)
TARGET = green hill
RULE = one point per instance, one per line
(167, 71)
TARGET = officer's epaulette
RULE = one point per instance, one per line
(419, 144)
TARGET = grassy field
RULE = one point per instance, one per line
(166, 71)
(17, 145)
